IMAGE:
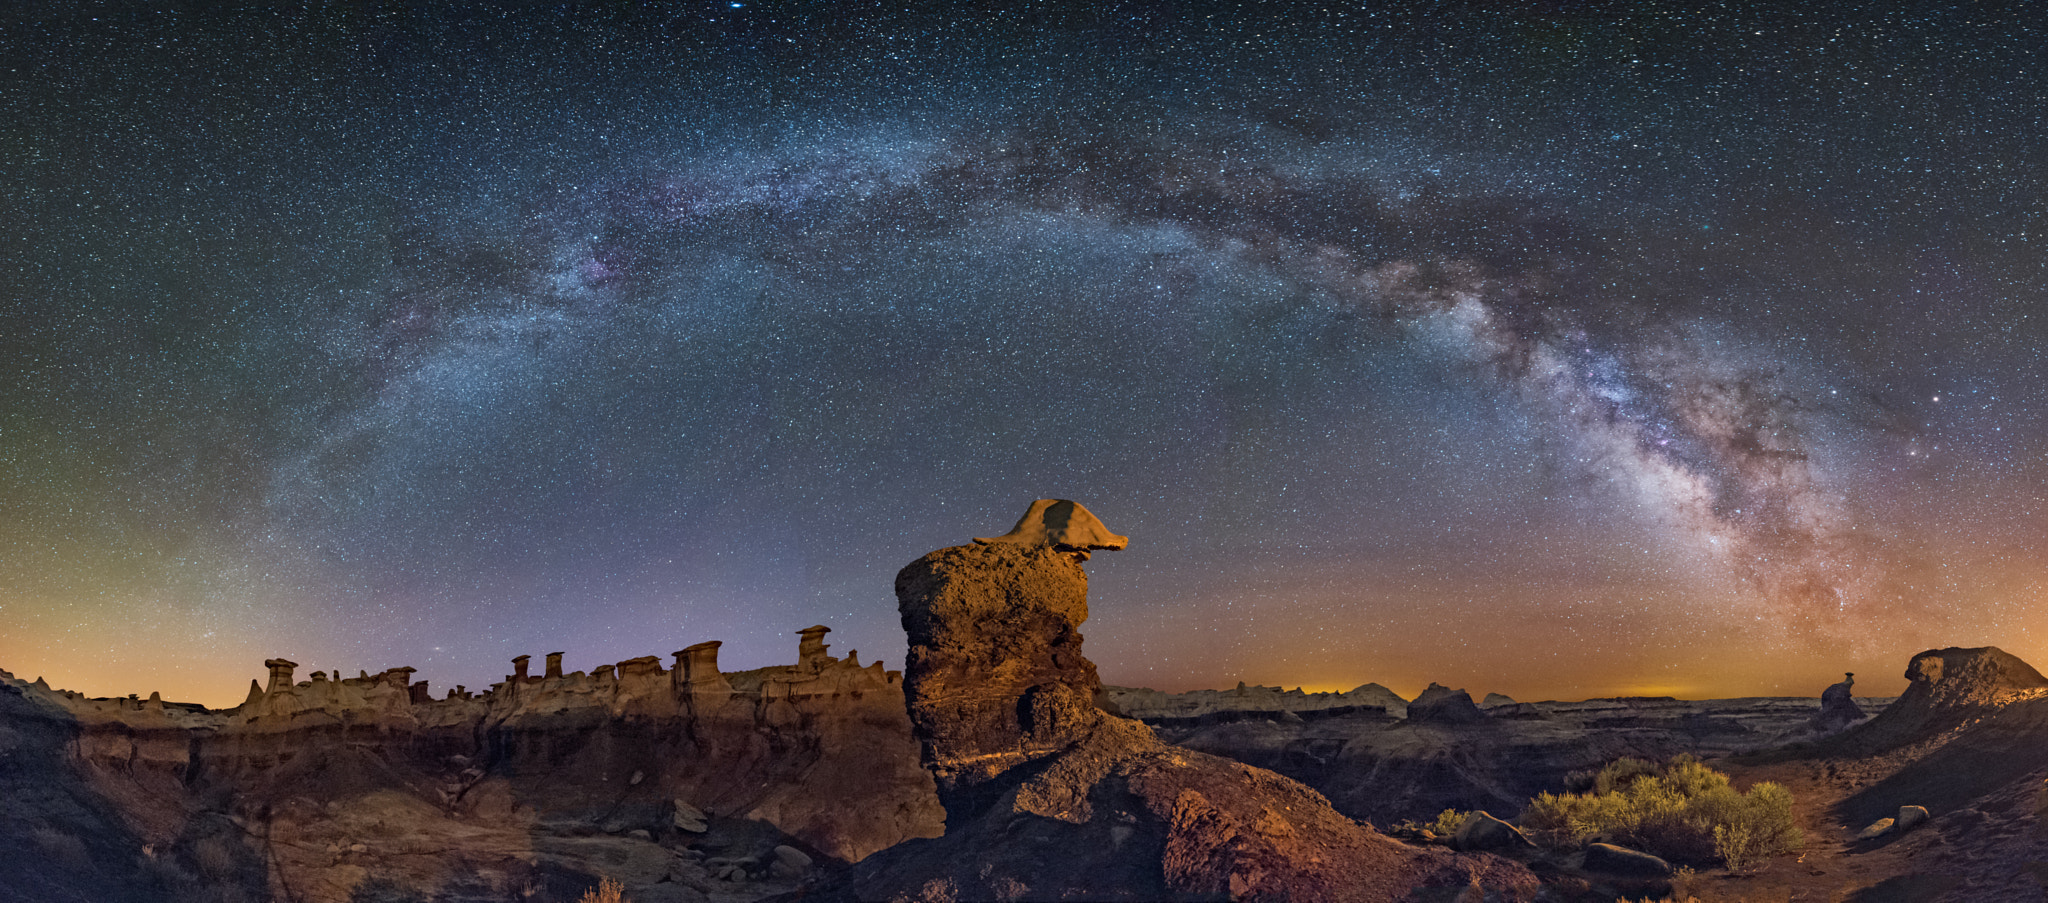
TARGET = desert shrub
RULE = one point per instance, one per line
(1759, 829)
(1620, 773)
(1444, 824)
(607, 891)
(1683, 811)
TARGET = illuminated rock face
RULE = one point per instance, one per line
(994, 675)
(1048, 797)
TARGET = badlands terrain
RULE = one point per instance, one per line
(993, 765)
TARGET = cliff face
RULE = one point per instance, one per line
(680, 781)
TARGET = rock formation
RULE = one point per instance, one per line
(332, 789)
(1442, 705)
(1049, 798)
(1949, 686)
(1838, 708)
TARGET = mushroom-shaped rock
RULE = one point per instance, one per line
(1838, 708)
(811, 648)
(1063, 525)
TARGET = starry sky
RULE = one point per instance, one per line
(1581, 350)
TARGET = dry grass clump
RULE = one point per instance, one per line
(1681, 810)
(607, 891)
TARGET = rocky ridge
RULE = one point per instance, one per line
(1153, 706)
(681, 781)
(1495, 757)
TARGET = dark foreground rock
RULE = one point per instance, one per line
(1049, 798)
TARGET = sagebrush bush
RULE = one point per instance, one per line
(1444, 825)
(1682, 811)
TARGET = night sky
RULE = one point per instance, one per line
(1585, 350)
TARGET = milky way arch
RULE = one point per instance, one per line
(1699, 433)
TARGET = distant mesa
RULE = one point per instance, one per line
(1249, 702)
(1439, 704)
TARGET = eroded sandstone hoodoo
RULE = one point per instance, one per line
(1049, 798)
(994, 675)
(1838, 708)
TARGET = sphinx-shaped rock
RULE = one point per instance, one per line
(1049, 798)
(1061, 525)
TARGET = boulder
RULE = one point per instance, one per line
(1909, 817)
(1441, 705)
(689, 818)
(790, 862)
(1876, 829)
(1480, 831)
(1609, 859)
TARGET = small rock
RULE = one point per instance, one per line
(1909, 818)
(1877, 829)
(790, 862)
(637, 777)
(1613, 860)
(640, 834)
(1481, 831)
(614, 827)
(359, 848)
(689, 818)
